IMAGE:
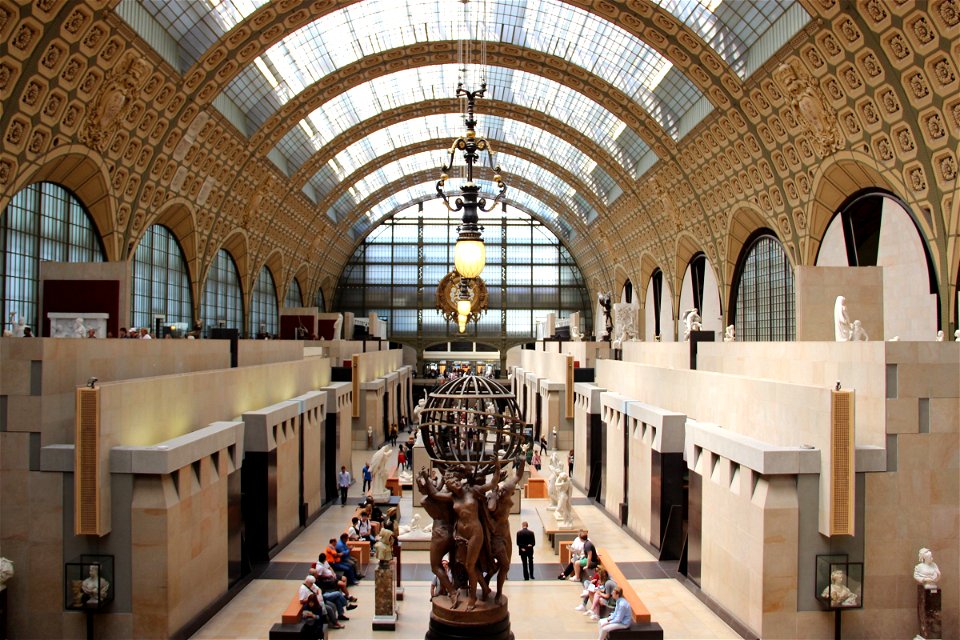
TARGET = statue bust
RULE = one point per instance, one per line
(926, 573)
(95, 587)
(840, 594)
(6, 572)
(384, 546)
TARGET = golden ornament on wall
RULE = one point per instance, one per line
(113, 100)
(811, 109)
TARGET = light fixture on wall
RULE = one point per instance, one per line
(461, 300)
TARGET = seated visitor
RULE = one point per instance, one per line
(327, 577)
(344, 549)
(315, 610)
(338, 561)
(621, 618)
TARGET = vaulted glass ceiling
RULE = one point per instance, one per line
(409, 86)
(444, 127)
(404, 197)
(361, 190)
(549, 26)
(735, 29)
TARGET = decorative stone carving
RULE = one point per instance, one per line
(810, 106)
(625, 321)
(113, 100)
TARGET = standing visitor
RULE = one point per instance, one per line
(344, 483)
(367, 477)
(525, 543)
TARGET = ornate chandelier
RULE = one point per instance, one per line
(461, 300)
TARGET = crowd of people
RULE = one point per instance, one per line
(601, 597)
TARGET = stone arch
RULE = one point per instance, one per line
(84, 173)
(274, 263)
(236, 244)
(302, 275)
(840, 176)
(745, 219)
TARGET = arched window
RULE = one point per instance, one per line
(874, 228)
(321, 303)
(222, 296)
(659, 310)
(263, 306)
(762, 305)
(43, 222)
(626, 294)
(161, 282)
(294, 297)
(699, 290)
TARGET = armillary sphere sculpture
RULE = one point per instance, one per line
(473, 433)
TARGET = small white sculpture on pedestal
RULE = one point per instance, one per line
(730, 334)
(413, 526)
(691, 323)
(384, 547)
(939, 336)
(858, 333)
(956, 335)
(378, 467)
(337, 326)
(6, 572)
(842, 329)
(926, 573)
(564, 512)
(417, 410)
(840, 594)
(553, 464)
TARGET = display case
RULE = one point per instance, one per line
(88, 583)
(839, 582)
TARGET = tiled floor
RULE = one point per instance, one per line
(541, 608)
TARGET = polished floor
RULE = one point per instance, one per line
(541, 608)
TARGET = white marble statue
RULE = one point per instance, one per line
(79, 329)
(956, 335)
(417, 410)
(94, 586)
(564, 512)
(842, 327)
(691, 322)
(940, 336)
(337, 327)
(858, 333)
(405, 476)
(555, 468)
(379, 467)
(926, 573)
(413, 526)
(730, 334)
(840, 594)
(6, 572)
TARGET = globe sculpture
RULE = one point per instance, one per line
(473, 433)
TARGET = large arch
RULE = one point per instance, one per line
(237, 245)
(84, 173)
(744, 220)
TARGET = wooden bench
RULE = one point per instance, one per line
(565, 552)
(360, 551)
(291, 622)
(536, 488)
(641, 615)
(393, 485)
(294, 611)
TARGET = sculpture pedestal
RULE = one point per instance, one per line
(487, 621)
(385, 599)
(928, 611)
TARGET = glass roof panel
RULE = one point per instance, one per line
(426, 83)
(404, 197)
(730, 27)
(549, 26)
(196, 25)
(445, 127)
(361, 190)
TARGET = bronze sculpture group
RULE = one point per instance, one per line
(471, 526)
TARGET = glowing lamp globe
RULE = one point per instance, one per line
(469, 257)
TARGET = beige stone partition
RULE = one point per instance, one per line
(254, 352)
(275, 430)
(614, 406)
(313, 412)
(652, 429)
(340, 403)
(587, 408)
(553, 414)
(546, 375)
(817, 288)
(670, 355)
(586, 353)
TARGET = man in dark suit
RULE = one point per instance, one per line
(525, 542)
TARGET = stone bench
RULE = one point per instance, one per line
(291, 621)
(643, 628)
